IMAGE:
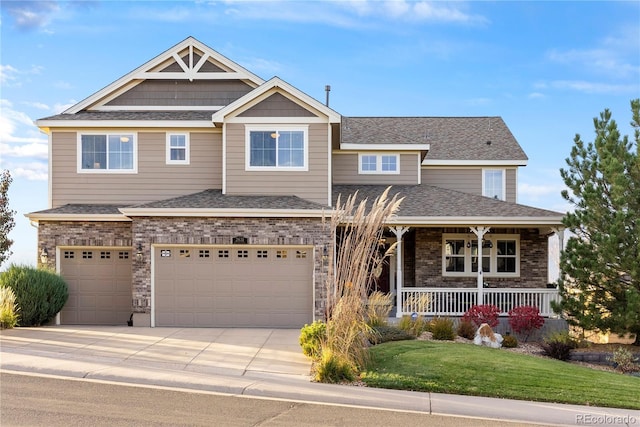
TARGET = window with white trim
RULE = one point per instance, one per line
(500, 255)
(493, 183)
(110, 152)
(369, 163)
(277, 147)
(177, 149)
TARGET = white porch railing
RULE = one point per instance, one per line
(456, 301)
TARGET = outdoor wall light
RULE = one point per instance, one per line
(139, 254)
(44, 255)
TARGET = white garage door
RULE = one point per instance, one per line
(99, 282)
(235, 286)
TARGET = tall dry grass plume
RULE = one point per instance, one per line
(357, 229)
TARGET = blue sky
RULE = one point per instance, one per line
(547, 68)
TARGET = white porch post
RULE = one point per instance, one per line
(480, 232)
(399, 231)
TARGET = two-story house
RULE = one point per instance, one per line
(190, 192)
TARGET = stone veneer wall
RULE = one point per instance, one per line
(221, 231)
(533, 262)
(77, 233)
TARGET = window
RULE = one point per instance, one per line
(113, 153)
(379, 163)
(493, 183)
(282, 147)
(500, 255)
(177, 149)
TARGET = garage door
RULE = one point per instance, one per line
(99, 282)
(235, 286)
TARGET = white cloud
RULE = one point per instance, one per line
(31, 171)
(33, 150)
(19, 137)
(38, 105)
(596, 87)
(537, 191)
(536, 95)
(7, 74)
(30, 15)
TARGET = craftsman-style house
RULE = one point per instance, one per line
(190, 192)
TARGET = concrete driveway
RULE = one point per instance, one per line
(224, 351)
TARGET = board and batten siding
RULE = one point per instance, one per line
(467, 180)
(345, 171)
(311, 185)
(155, 179)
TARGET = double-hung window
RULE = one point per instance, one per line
(378, 163)
(177, 149)
(499, 255)
(493, 183)
(277, 147)
(107, 152)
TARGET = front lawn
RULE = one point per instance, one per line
(447, 367)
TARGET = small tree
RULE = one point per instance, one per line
(6, 217)
(479, 314)
(600, 281)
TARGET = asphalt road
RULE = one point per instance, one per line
(30, 400)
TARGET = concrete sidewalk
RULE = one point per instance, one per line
(250, 362)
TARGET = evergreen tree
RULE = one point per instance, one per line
(600, 266)
(6, 217)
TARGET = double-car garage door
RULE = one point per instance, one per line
(233, 286)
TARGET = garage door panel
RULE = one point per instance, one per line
(234, 286)
(99, 282)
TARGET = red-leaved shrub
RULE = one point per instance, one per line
(479, 314)
(525, 319)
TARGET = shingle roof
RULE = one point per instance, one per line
(133, 115)
(450, 138)
(214, 199)
(82, 209)
(428, 201)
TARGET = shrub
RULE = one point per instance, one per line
(624, 360)
(559, 345)
(509, 341)
(479, 314)
(333, 369)
(466, 329)
(442, 329)
(8, 308)
(386, 333)
(378, 308)
(311, 338)
(40, 293)
(525, 319)
(414, 326)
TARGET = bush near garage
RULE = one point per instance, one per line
(312, 337)
(39, 293)
(8, 308)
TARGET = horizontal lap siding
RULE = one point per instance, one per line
(155, 179)
(459, 179)
(345, 171)
(310, 185)
(467, 180)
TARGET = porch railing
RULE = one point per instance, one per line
(456, 301)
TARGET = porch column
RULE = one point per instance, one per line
(480, 231)
(560, 233)
(399, 231)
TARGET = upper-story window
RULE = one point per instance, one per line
(493, 183)
(107, 152)
(177, 149)
(499, 255)
(277, 147)
(378, 163)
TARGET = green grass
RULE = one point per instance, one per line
(447, 367)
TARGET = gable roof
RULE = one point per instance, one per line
(264, 91)
(463, 139)
(192, 68)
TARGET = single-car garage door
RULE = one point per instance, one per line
(234, 286)
(99, 282)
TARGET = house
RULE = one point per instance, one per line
(191, 192)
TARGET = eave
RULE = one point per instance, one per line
(224, 212)
(47, 125)
(35, 217)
